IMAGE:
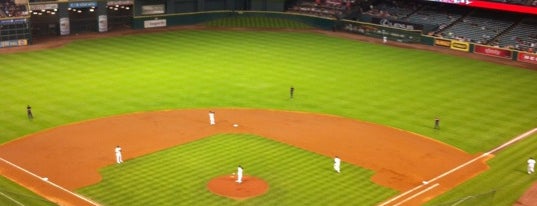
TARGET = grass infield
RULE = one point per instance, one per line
(481, 105)
(178, 176)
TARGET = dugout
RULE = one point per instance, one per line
(82, 17)
(119, 14)
(65, 18)
(45, 21)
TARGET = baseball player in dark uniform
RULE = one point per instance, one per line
(29, 112)
(291, 92)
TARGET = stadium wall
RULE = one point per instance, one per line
(144, 22)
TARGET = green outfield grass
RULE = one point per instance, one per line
(256, 22)
(179, 176)
(481, 105)
(11, 194)
(507, 176)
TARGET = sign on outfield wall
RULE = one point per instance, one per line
(153, 9)
(86, 4)
(398, 24)
(493, 51)
(527, 57)
(378, 31)
(13, 43)
(12, 21)
(120, 2)
(39, 7)
(155, 23)
(460, 46)
(442, 42)
(65, 28)
(103, 23)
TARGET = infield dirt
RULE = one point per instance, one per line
(71, 155)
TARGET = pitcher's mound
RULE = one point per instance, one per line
(227, 187)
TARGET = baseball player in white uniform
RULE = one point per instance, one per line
(531, 165)
(239, 174)
(119, 158)
(337, 164)
(211, 118)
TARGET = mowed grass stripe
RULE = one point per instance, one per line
(254, 69)
(180, 174)
(481, 104)
(507, 176)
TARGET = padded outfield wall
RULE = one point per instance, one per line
(355, 27)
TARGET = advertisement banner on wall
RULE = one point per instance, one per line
(103, 23)
(527, 57)
(380, 32)
(460, 46)
(155, 23)
(12, 21)
(85, 4)
(493, 51)
(153, 9)
(39, 7)
(398, 24)
(442, 42)
(14, 43)
(65, 28)
(120, 2)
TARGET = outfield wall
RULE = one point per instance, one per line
(141, 22)
(391, 32)
(486, 50)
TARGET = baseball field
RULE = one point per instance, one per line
(481, 106)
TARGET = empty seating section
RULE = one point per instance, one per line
(479, 27)
(439, 14)
(521, 37)
(394, 10)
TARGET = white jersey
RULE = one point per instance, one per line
(337, 161)
(531, 162)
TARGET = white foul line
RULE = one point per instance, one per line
(51, 183)
(8, 197)
(518, 138)
(417, 194)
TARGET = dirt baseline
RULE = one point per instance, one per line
(71, 155)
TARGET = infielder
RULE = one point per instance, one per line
(337, 164)
(119, 158)
(211, 118)
(531, 165)
(239, 174)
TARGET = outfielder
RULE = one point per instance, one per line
(29, 112)
(531, 165)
